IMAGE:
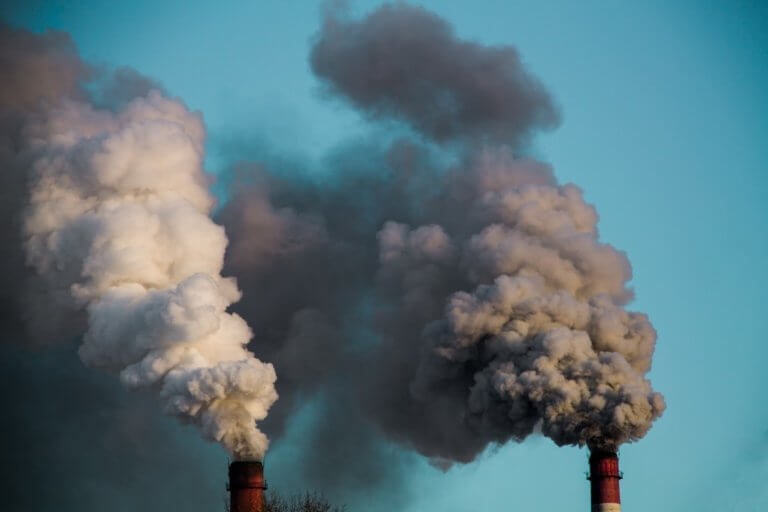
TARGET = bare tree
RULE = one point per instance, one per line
(308, 502)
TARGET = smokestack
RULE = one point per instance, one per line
(246, 486)
(604, 476)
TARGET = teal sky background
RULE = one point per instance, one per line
(665, 128)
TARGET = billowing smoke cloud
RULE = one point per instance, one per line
(118, 214)
(542, 339)
(40, 71)
(461, 288)
(117, 225)
(443, 297)
(37, 70)
(66, 425)
(404, 62)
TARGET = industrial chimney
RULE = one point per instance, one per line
(604, 476)
(246, 486)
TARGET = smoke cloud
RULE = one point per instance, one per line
(464, 292)
(405, 63)
(37, 70)
(66, 425)
(430, 287)
(116, 225)
(118, 214)
(45, 67)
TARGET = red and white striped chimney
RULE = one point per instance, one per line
(604, 476)
(246, 486)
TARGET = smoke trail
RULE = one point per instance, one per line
(118, 215)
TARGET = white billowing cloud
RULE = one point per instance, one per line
(119, 213)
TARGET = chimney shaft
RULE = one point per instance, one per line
(246, 486)
(604, 476)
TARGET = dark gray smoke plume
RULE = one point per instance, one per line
(446, 306)
(37, 70)
(405, 62)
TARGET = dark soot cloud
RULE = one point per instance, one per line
(406, 63)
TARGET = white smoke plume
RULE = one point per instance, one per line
(118, 215)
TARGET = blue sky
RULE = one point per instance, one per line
(665, 128)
